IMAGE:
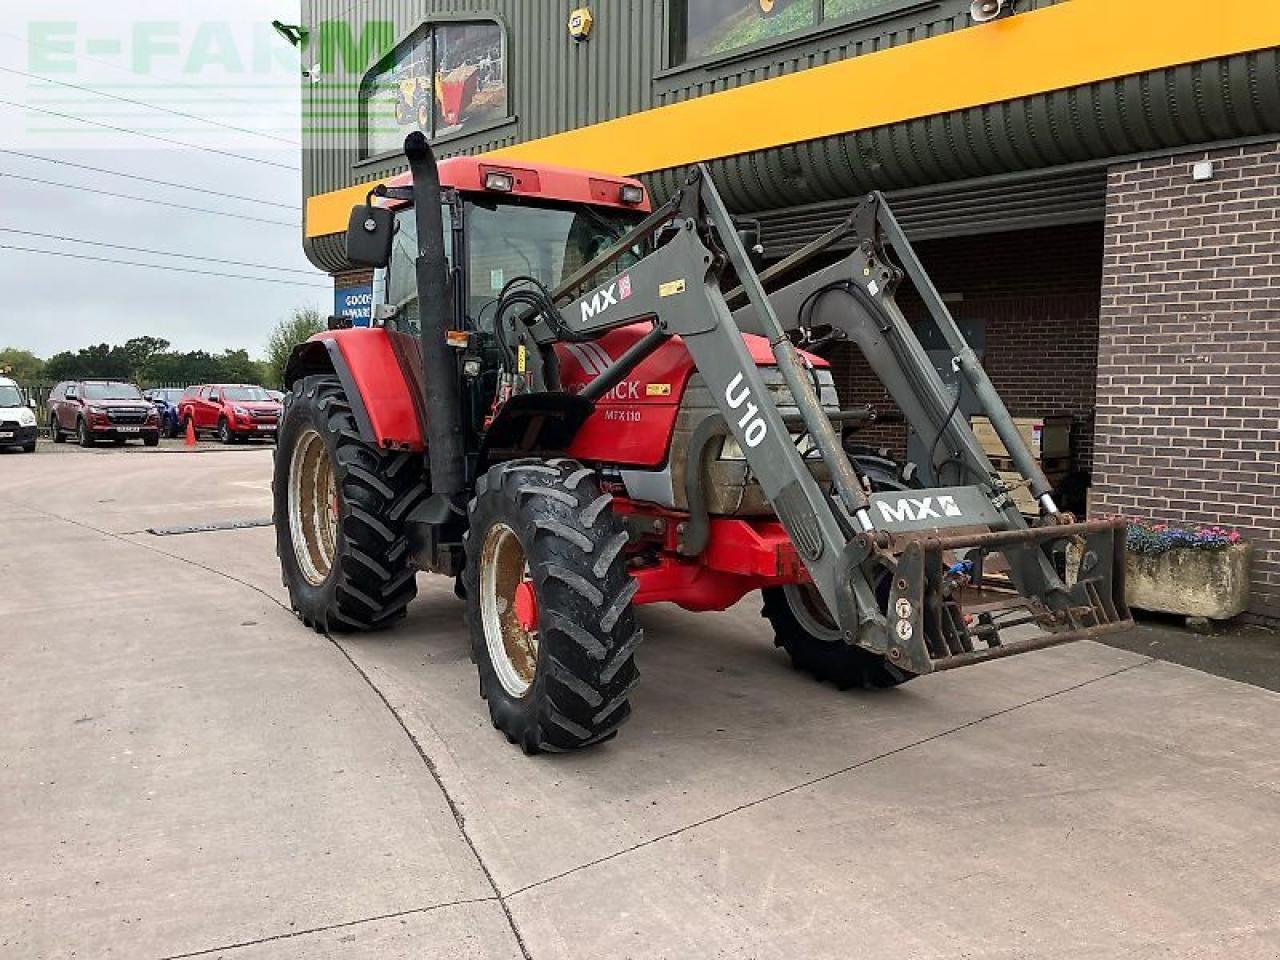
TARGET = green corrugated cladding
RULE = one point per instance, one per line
(555, 85)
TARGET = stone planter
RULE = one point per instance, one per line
(1195, 583)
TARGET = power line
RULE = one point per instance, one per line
(134, 176)
(158, 203)
(151, 106)
(158, 266)
(158, 253)
(148, 136)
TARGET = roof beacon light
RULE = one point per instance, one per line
(499, 181)
(980, 11)
(632, 194)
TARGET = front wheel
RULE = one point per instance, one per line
(225, 436)
(83, 436)
(549, 605)
(55, 431)
(340, 510)
(29, 447)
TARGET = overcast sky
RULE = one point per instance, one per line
(220, 62)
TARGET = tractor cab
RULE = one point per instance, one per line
(504, 225)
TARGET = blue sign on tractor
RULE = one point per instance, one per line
(356, 303)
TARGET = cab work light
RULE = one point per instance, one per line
(500, 182)
(632, 194)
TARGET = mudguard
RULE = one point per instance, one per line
(374, 379)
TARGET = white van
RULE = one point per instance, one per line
(17, 422)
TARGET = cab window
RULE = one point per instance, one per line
(402, 280)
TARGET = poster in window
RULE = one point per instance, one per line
(720, 26)
(471, 84)
(398, 98)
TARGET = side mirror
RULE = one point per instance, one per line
(369, 235)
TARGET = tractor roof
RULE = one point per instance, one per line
(535, 180)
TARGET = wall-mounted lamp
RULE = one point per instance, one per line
(980, 11)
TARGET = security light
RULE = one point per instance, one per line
(980, 11)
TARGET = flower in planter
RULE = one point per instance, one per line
(1145, 537)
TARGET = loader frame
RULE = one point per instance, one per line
(1063, 577)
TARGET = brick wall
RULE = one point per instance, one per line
(1037, 293)
(1188, 391)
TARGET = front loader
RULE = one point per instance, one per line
(580, 405)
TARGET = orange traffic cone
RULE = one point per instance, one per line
(191, 433)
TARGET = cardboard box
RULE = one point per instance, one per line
(1048, 437)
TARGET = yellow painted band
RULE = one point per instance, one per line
(1066, 45)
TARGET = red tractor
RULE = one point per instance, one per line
(576, 404)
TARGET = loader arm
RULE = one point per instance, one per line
(879, 561)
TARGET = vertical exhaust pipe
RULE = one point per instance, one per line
(440, 371)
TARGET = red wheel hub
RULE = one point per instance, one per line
(527, 606)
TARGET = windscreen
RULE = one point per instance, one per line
(511, 239)
(111, 391)
(11, 397)
(245, 394)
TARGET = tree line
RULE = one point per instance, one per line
(151, 361)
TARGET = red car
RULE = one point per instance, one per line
(234, 411)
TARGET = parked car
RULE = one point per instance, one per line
(93, 410)
(167, 400)
(233, 411)
(17, 421)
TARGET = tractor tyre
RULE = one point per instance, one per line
(816, 648)
(55, 431)
(548, 600)
(340, 509)
(812, 640)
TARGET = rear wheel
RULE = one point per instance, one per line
(804, 628)
(549, 605)
(340, 509)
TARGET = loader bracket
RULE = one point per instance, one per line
(534, 424)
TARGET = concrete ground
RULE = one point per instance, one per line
(185, 771)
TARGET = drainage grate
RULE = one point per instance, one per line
(210, 527)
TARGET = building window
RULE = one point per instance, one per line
(710, 28)
(444, 80)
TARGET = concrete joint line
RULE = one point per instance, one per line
(324, 929)
(448, 797)
(824, 777)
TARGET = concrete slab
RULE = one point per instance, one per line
(472, 931)
(1131, 817)
(184, 768)
(1079, 802)
(719, 720)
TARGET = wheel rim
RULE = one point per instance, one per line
(513, 650)
(313, 508)
(811, 612)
